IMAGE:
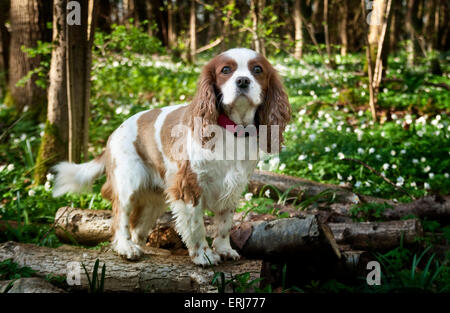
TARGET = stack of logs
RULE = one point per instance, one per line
(315, 243)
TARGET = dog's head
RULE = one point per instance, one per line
(243, 85)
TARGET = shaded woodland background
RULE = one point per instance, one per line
(368, 82)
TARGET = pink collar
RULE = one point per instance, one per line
(224, 121)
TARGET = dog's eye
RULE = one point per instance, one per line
(226, 70)
(257, 69)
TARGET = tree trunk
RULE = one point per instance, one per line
(78, 68)
(343, 25)
(54, 144)
(28, 20)
(158, 272)
(298, 24)
(4, 41)
(171, 35)
(256, 7)
(412, 28)
(192, 33)
(327, 35)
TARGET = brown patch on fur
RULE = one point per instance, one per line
(168, 140)
(145, 143)
(185, 185)
(107, 190)
(204, 104)
(139, 200)
(275, 109)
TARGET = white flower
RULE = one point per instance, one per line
(360, 150)
(427, 169)
(282, 166)
(248, 196)
(47, 186)
(31, 193)
(385, 166)
(426, 185)
(267, 193)
(302, 112)
(413, 184)
(393, 152)
(445, 175)
(358, 184)
(339, 128)
(327, 149)
(334, 146)
(10, 167)
(302, 157)
(339, 176)
(400, 181)
(415, 161)
(367, 184)
(182, 97)
(403, 151)
(350, 178)
(341, 156)
(310, 166)
(378, 157)
(50, 176)
(273, 163)
(312, 137)
(423, 159)
(431, 175)
(371, 150)
(2, 167)
(394, 166)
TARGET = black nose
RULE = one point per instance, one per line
(242, 82)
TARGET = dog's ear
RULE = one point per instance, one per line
(203, 106)
(275, 111)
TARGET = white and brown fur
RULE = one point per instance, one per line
(144, 175)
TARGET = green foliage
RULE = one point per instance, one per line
(369, 211)
(44, 50)
(96, 282)
(11, 270)
(239, 283)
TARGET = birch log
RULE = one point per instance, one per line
(159, 272)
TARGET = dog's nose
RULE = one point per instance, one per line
(242, 82)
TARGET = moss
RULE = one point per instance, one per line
(51, 150)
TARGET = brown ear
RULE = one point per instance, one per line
(275, 110)
(203, 106)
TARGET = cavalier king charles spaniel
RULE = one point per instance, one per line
(189, 157)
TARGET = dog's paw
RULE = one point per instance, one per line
(127, 249)
(228, 254)
(205, 257)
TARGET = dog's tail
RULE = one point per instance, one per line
(77, 177)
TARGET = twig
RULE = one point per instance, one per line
(380, 175)
(54, 224)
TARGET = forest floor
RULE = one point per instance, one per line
(331, 124)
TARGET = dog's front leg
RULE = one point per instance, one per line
(190, 225)
(223, 221)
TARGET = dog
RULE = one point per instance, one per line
(149, 166)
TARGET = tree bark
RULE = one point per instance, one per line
(327, 34)
(90, 227)
(158, 272)
(4, 40)
(297, 186)
(376, 236)
(298, 32)
(192, 33)
(28, 19)
(343, 25)
(78, 67)
(29, 285)
(54, 145)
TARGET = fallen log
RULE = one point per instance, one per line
(365, 235)
(159, 272)
(298, 187)
(28, 285)
(377, 235)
